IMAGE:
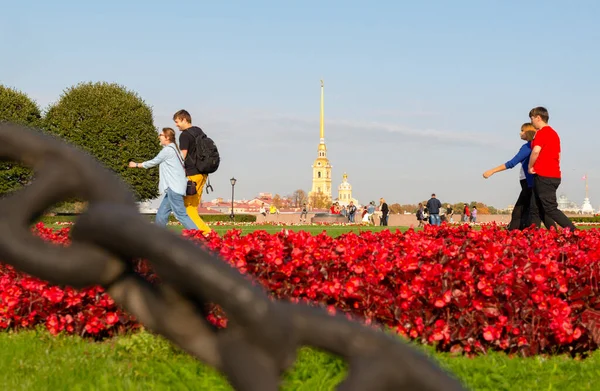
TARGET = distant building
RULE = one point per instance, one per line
(565, 205)
(345, 192)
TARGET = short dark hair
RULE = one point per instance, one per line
(183, 115)
(541, 111)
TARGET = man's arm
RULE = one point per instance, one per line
(535, 152)
(184, 144)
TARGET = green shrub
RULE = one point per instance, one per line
(114, 125)
(16, 107)
(587, 219)
(242, 218)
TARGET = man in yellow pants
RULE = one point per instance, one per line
(187, 144)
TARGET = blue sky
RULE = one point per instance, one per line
(420, 97)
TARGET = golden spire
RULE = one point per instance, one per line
(322, 112)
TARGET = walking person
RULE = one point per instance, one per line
(466, 214)
(371, 211)
(344, 211)
(383, 207)
(172, 180)
(544, 164)
(187, 143)
(433, 206)
(420, 215)
(474, 214)
(365, 215)
(351, 212)
(521, 216)
(304, 213)
(449, 213)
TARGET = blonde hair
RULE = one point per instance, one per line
(529, 130)
(169, 134)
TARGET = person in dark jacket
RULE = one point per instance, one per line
(433, 206)
(383, 207)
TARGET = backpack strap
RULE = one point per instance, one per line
(208, 186)
(179, 157)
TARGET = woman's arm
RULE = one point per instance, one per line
(161, 157)
(494, 170)
(518, 158)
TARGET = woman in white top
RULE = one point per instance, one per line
(172, 180)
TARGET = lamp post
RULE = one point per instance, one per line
(232, 215)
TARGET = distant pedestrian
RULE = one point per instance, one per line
(449, 213)
(351, 211)
(474, 214)
(371, 211)
(466, 213)
(383, 207)
(420, 215)
(304, 213)
(433, 206)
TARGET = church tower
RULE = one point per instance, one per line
(321, 182)
(345, 192)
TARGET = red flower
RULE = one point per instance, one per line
(464, 290)
(111, 318)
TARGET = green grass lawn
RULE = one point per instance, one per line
(35, 360)
(313, 229)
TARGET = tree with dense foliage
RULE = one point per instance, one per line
(112, 124)
(396, 208)
(319, 201)
(277, 201)
(16, 107)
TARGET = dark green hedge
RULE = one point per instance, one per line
(588, 219)
(114, 125)
(16, 107)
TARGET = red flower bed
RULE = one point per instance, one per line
(463, 290)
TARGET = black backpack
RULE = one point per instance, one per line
(207, 157)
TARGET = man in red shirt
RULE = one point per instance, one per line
(544, 164)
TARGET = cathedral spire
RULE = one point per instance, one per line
(322, 112)
(321, 181)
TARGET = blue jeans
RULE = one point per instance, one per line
(434, 219)
(173, 202)
(351, 217)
